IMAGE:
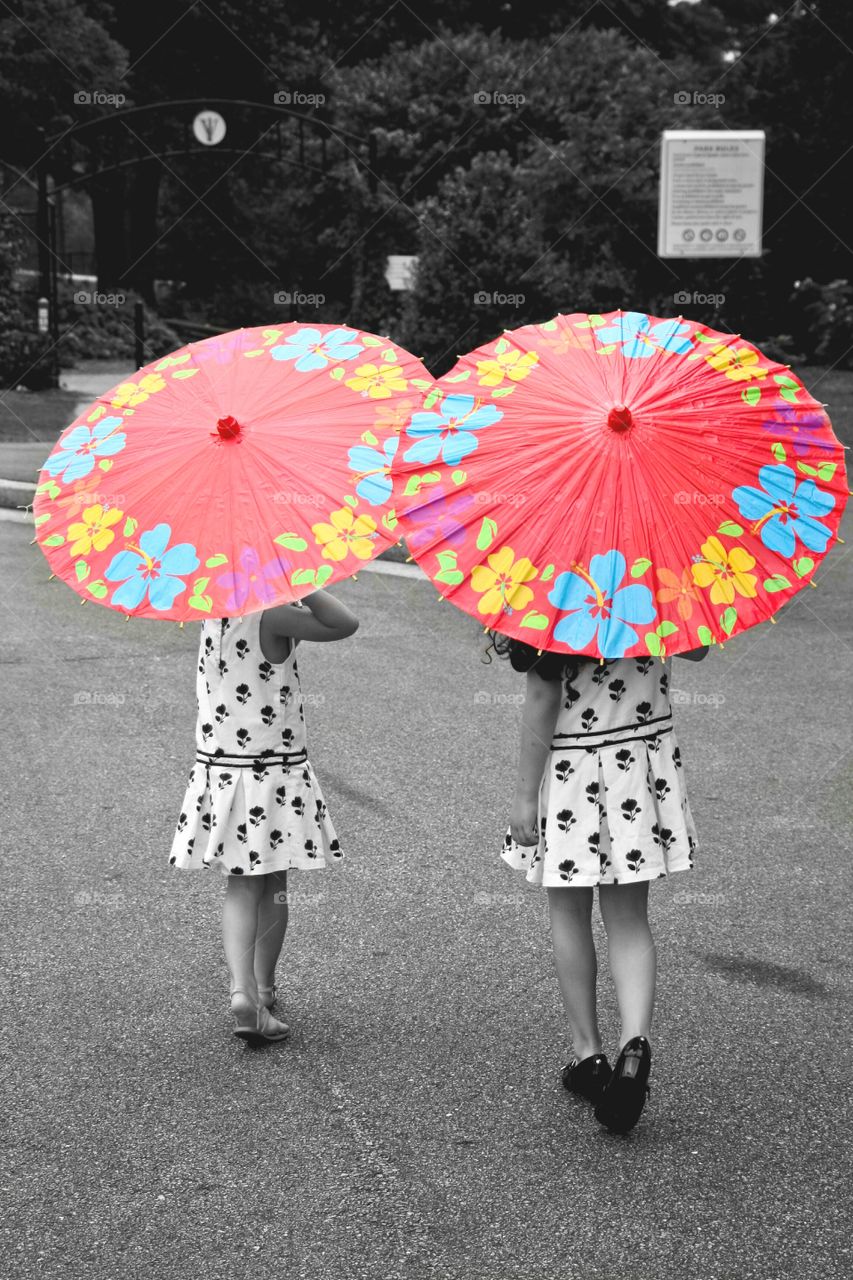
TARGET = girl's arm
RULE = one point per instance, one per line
(694, 655)
(541, 705)
(325, 618)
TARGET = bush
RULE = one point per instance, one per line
(102, 331)
(822, 321)
(22, 347)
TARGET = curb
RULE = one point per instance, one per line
(16, 493)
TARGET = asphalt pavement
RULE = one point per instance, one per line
(415, 1125)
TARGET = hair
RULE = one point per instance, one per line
(523, 657)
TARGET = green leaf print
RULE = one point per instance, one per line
(778, 451)
(488, 533)
(777, 583)
(459, 477)
(214, 561)
(303, 576)
(654, 644)
(368, 340)
(826, 472)
(291, 541)
(728, 620)
(324, 573)
(704, 635)
(499, 392)
(98, 589)
(751, 395)
(666, 629)
(804, 565)
(806, 469)
(55, 540)
(639, 567)
(731, 529)
(547, 573)
(82, 570)
(337, 373)
(537, 621)
(458, 377)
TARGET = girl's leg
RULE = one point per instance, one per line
(575, 960)
(632, 952)
(243, 895)
(272, 925)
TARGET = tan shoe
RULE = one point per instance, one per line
(255, 1023)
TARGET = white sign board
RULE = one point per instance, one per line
(209, 128)
(711, 193)
(400, 269)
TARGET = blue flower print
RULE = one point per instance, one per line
(596, 603)
(375, 484)
(784, 511)
(312, 350)
(640, 338)
(804, 430)
(82, 446)
(149, 568)
(450, 430)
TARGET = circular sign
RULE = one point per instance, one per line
(688, 234)
(209, 128)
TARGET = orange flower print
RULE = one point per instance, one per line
(681, 589)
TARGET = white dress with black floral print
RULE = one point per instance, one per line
(253, 803)
(612, 803)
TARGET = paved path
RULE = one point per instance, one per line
(415, 1126)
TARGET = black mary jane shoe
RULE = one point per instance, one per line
(587, 1078)
(622, 1102)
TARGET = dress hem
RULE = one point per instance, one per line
(587, 882)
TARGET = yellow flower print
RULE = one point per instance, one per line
(510, 364)
(346, 532)
(502, 583)
(94, 531)
(739, 365)
(725, 572)
(133, 393)
(378, 381)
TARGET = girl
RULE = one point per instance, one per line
(600, 799)
(253, 804)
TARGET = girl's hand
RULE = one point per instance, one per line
(524, 820)
(325, 618)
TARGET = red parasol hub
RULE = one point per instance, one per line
(620, 418)
(228, 428)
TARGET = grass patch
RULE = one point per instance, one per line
(36, 415)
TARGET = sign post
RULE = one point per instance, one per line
(711, 193)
